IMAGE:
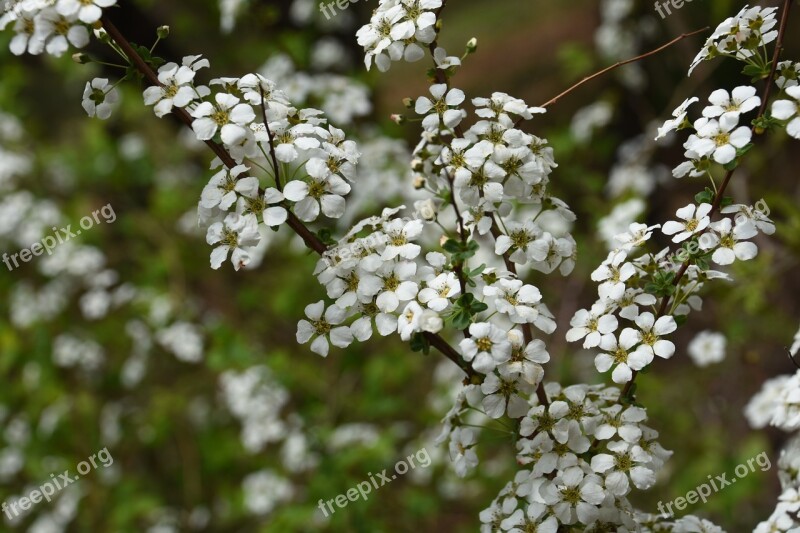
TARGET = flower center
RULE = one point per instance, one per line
(316, 189)
(722, 139)
(321, 327)
(220, 117)
(391, 283)
(484, 344)
(520, 239)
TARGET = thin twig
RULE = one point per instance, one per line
(271, 144)
(622, 63)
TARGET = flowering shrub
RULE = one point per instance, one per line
(451, 273)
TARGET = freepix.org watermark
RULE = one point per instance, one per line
(59, 236)
(329, 8)
(57, 483)
(668, 5)
(714, 485)
(377, 481)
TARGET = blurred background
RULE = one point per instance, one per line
(124, 339)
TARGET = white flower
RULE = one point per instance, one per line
(625, 423)
(323, 189)
(787, 109)
(707, 347)
(486, 347)
(520, 302)
(60, 31)
(400, 235)
(626, 461)
(462, 450)
(289, 139)
(505, 394)
(695, 220)
(520, 241)
(787, 74)
(526, 360)
(392, 283)
(725, 239)
(237, 232)
(757, 214)
(443, 61)
(227, 115)
(574, 495)
(718, 139)
(99, 99)
(442, 106)
(439, 291)
(649, 333)
(223, 186)
(613, 274)
(176, 91)
(679, 115)
(618, 353)
(636, 236)
(324, 328)
(729, 106)
(88, 11)
(27, 36)
(592, 325)
(408, 322)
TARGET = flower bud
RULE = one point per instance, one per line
(419, 182)
(162, 32)
(472, 45)
(408, 102)
(81, 58)
(102, 35)
(398, 119)
(430, 321)
(425, 209)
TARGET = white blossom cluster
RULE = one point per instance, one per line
(561, 484)
(51, 25)
(398, 30)
(741, 37)
(290, 141)
(631, 284)
(778, 404)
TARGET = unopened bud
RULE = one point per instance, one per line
(472, 45)
(102, 35)
(408, 102)
(162, 32)
(426, 209)
(443, 239)
(416, 164)
(81, 58)
(398, 119)
(419, 182)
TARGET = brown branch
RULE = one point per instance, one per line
(311, 240)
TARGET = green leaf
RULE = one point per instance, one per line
(704, 197)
